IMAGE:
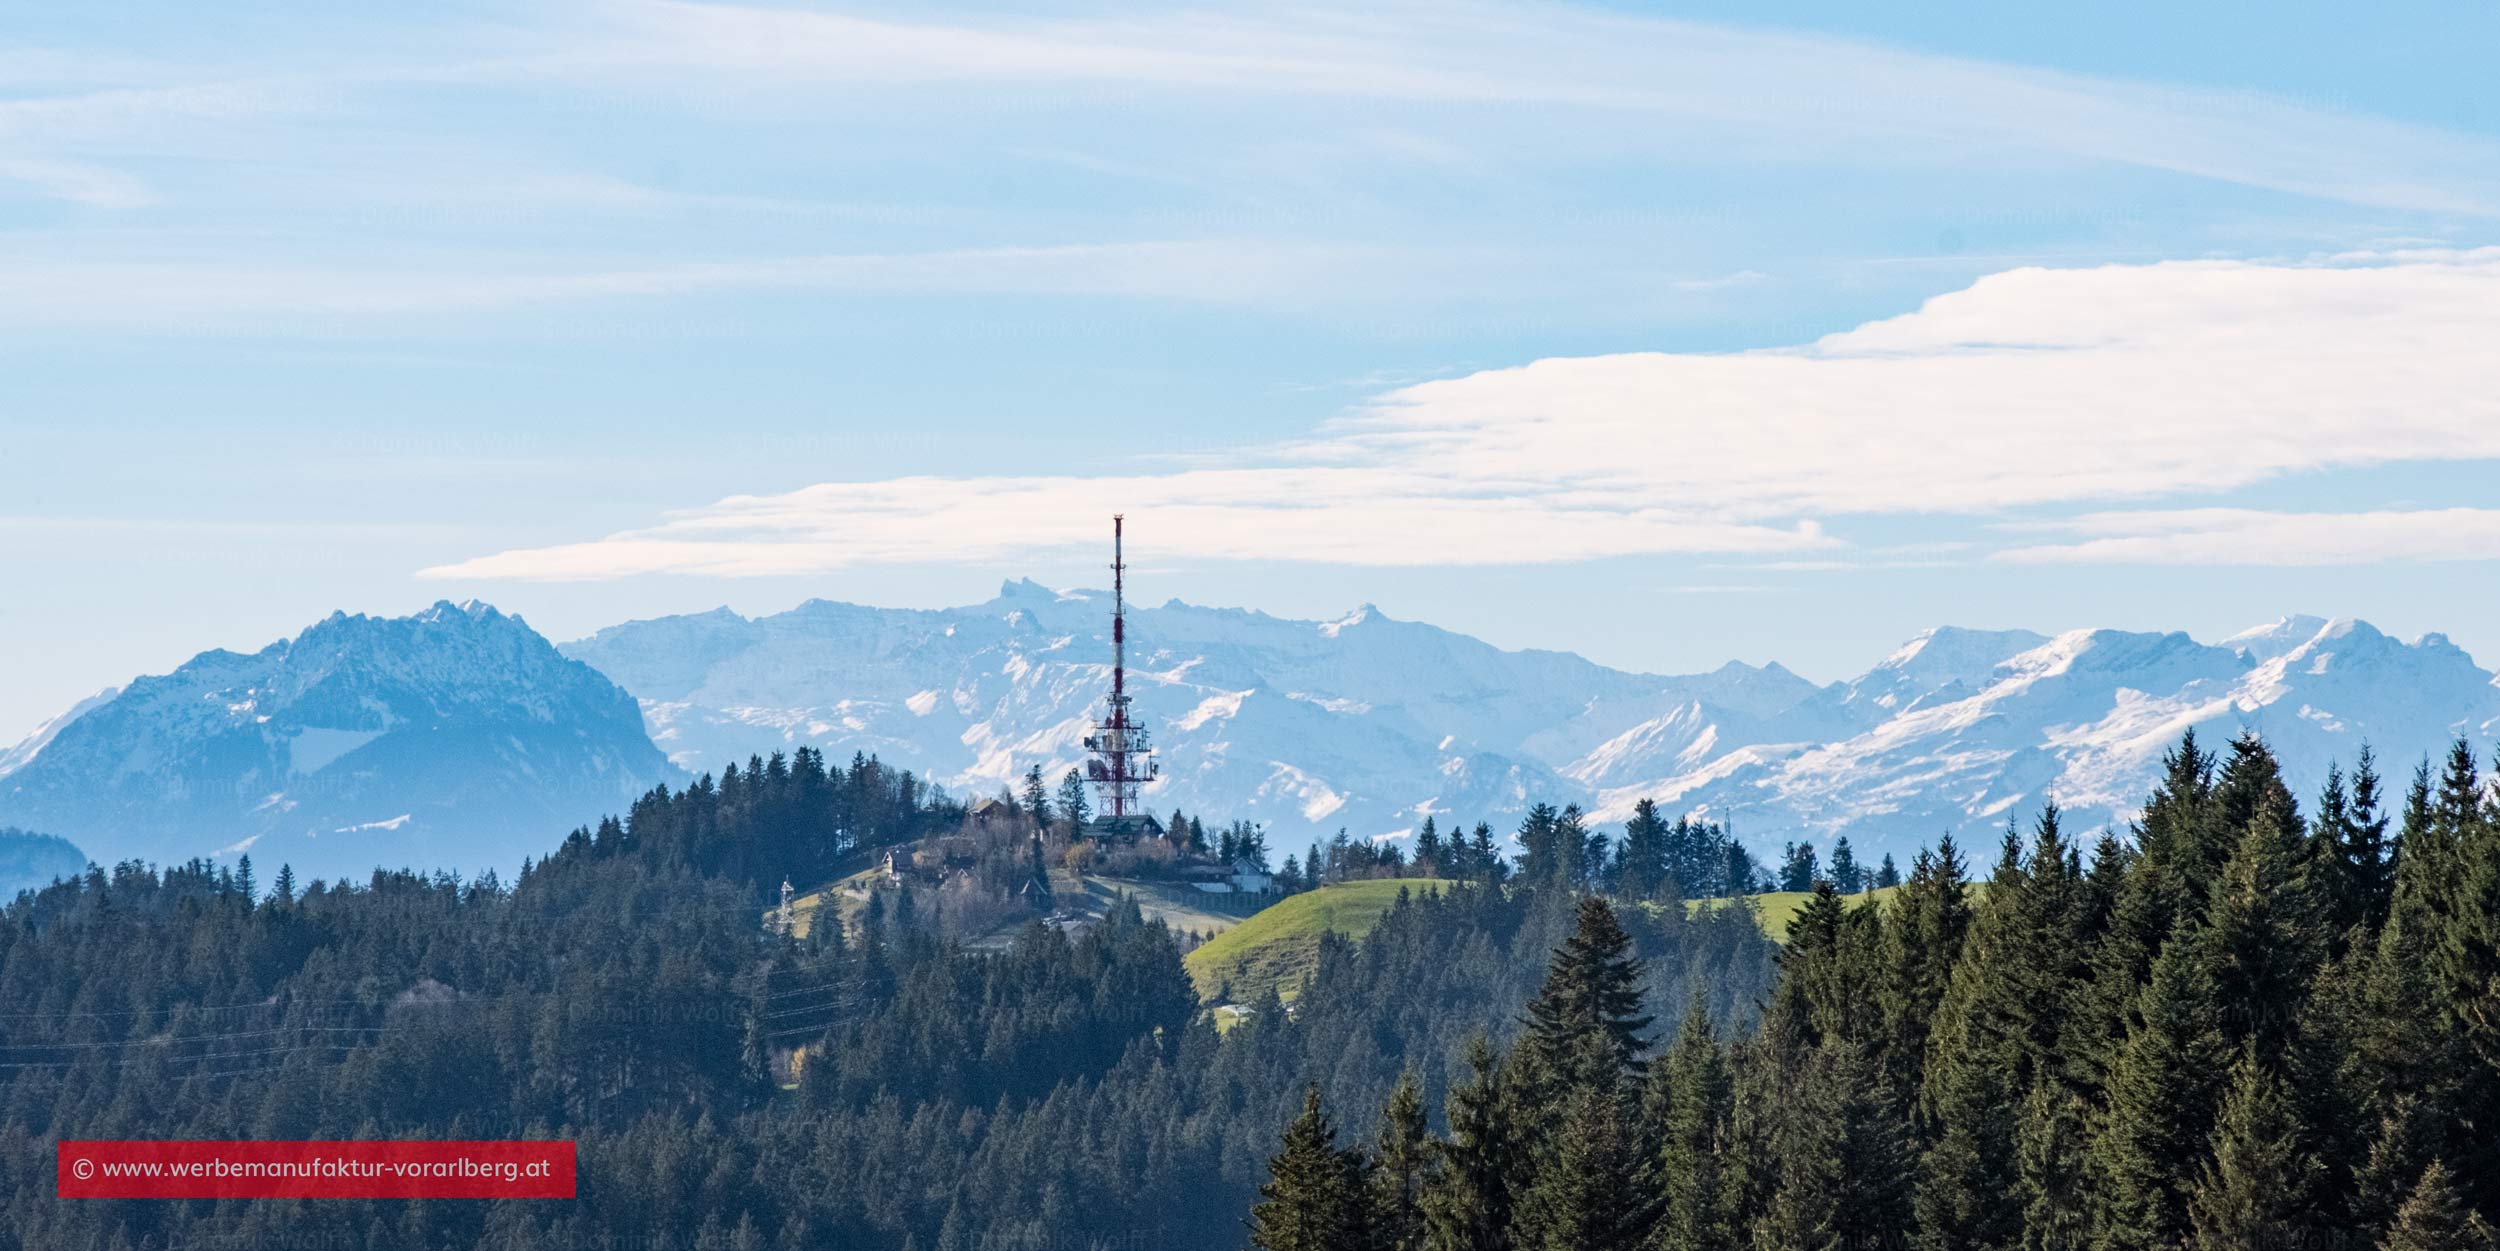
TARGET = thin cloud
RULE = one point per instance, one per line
(41, 289)
(1722, 88)
(2238, 536)
(2030, 388)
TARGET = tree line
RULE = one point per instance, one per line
(2245, 1028)
(730, 1086)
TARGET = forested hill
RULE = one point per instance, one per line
(729, 1088)
(2260, 1023)
(2254, 1028)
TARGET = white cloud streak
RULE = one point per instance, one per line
(1692, 85)
(53, 291)
(2240, 536)
(2030, 388)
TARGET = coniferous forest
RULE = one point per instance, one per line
(2253, 1025)
(2254, 1020)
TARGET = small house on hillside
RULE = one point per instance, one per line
(991, 809)
(1130, 827)
(1248, 878)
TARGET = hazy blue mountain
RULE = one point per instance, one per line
(29, 860)
(456, 737)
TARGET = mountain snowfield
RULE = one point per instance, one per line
(1369, 723)
(453, 738)
(460, 737)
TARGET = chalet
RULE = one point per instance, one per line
(1129, 827)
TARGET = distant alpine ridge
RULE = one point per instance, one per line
(460, 737)
(454, 738)
(1369, 723)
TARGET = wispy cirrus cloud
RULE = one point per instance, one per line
(1250, 115)
(2030, 388)
(40, 287)
(1717, 88)
(2247, 536)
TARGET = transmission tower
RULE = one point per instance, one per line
(1122, 753)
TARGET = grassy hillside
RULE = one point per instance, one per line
(1275, 947)
(1780, 907)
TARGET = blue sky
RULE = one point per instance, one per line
(1653, 333)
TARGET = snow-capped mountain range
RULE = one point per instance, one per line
(1370, 723)
(460, 737)
(454, 738)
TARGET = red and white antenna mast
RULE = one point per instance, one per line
(1123, 755)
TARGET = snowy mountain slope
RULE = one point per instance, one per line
(2085, 717)
(1369, 723)
(14, 758)
(460, 737)
(456, 737)
(1365, 722)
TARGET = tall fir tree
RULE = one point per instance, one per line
(2161, 1102)
(1316, 1196)
(2253, 1195)
(1846, 874)
(1923, 933)
(1593, 1189)
(2049, 1142)
(1843, 1155)
(2466, 958)
(1402, 1170)
(1690, 1102)
(1466, 1199)
(2268, 933)
(1645, 837)
(2436, 1217)
(1584, 1028)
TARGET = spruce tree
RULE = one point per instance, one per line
(2170, 833)
(2252, 1195)
(1584, 1026)
(2161, 1099)
(2466, 959)
(1036, 796)
(1541, 854)
(1799, 868)
(2268, 933)
(1593, 1189)
(1314, 1198)
(1999, 1030)
(2436, 1218)
(2351, 833)
(1690, 1102)
(1843, 1153)
(1923, 933)
(1644, 851)
(1073, 806)
(1401, 1170)
(1846, 875)
(2049, 1141)
(2407, 1143)
(1467, 1196)
(1428, 852)
(2251, 780)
